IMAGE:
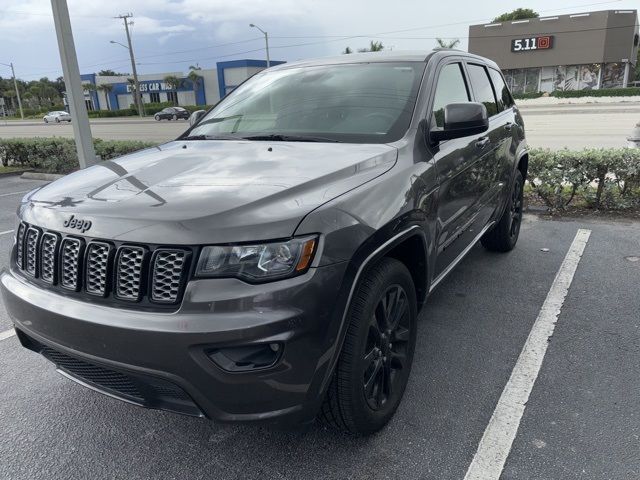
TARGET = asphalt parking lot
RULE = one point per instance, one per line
(582, 419)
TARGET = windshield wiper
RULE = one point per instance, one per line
(211, 137)
(289, 138)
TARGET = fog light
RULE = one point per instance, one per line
(246, 358)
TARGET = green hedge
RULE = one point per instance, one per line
(603, 92)
(600, 178)
(58, 155)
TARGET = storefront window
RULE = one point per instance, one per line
(560, 76)
(589, 76)
(613, 75)
(519, 81)
(547, 79)
(571, 77)
(532, 76)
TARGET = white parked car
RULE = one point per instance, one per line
(60, 116)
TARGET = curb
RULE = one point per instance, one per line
(40, 176)
(13, 174)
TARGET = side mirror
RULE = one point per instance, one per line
(462, 120)
(196, 116)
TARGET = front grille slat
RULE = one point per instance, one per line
(167, 275)
(70, 259)
(31, 240)
(20, 246)
(48, 253)
(96, 269)
(129, 272)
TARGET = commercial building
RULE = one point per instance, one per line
(116, 92)
(566, 52)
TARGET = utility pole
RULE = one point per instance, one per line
(136, 94)
(15, 84)
(73, 84)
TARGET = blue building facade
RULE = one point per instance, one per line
(210, 88)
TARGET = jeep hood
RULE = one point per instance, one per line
(194, 192)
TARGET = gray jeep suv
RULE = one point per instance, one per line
(269, 265)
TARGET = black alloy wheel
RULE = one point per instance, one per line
(386, 349)
(504, 234)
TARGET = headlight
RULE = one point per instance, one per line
(260, 262)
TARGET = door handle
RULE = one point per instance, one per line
(508, 126)
(482, 142)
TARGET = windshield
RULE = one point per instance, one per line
(364, 103)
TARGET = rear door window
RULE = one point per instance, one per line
(482, 87)
(503, 95)
(451, 88)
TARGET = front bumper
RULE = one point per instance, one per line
(165, 355)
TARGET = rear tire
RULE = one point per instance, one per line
(376, 357)
(57, 120)
(175, 117)
(504, 235)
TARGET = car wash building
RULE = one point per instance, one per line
(116, 92)
(566, 52)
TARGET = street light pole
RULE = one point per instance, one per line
(15, 84)
(136, 94)
(73, 84)
(266, 41)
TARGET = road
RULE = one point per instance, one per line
(572, 126)
(582, 419)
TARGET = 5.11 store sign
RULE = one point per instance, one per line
(532, 43)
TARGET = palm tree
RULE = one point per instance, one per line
(194, 78)
(447, 44)
(373, 47)
(172, 82)
(106, 88)
(347, 51)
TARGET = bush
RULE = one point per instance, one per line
(603, 92)
(58, 155)
(602, 178)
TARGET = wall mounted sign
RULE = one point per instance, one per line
(532, 43)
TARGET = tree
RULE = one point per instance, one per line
(373, 47)
(106, 88)
(195, 78)
(172, 82)
(111, 73)
(347, 51)
(447, 44)
(517, 14)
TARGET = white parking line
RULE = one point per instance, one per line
(13, 193)
(6, 232)
(495, 445)
(7, 334)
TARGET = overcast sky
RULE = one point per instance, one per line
(170, 35)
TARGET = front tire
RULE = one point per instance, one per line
(376, 357)
(157, 117)
(504, 235)
(57, 120)
(175, 117)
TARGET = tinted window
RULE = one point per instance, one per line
(363, 102)
(451, 88)
(482, 88)
(502, 92)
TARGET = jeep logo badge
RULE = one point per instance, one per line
(72, 222)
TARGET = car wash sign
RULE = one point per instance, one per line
(149, 86)
(529, 44)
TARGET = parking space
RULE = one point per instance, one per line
(582, 419)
